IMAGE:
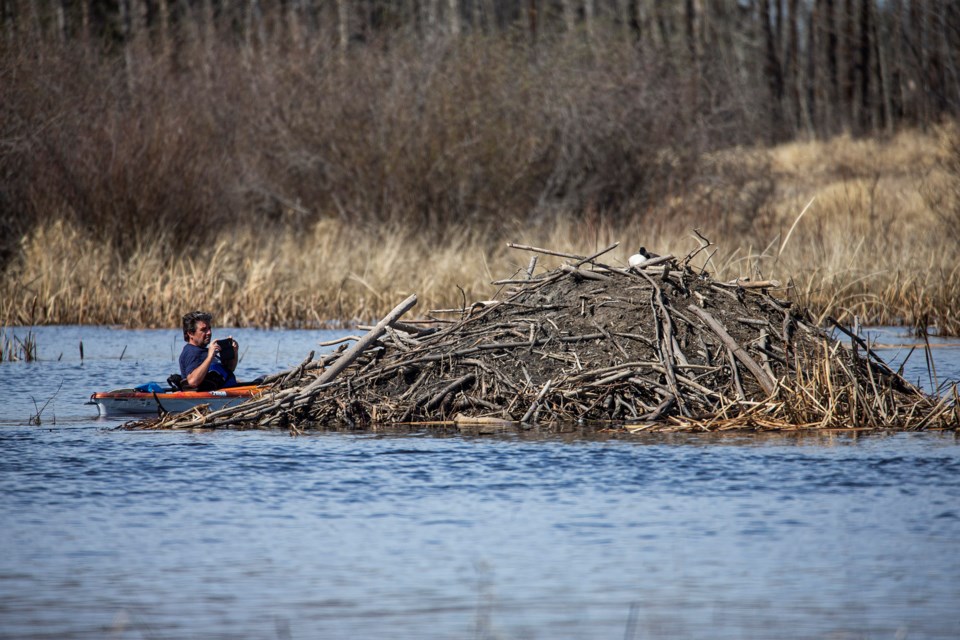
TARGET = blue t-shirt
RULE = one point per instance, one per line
(193, 356)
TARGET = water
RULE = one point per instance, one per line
(113, 534)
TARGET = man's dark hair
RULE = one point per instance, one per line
(190, 322)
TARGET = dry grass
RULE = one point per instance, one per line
(332, 274)
(866, 247)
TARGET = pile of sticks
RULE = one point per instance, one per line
(661, 346)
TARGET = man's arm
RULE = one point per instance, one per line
(195, 377)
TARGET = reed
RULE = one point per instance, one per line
(13, 348)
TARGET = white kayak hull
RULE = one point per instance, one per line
(130, 402)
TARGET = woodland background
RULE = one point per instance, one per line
(311, 161)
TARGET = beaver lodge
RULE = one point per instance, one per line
(661, 346)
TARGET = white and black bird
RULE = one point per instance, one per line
(641, 256)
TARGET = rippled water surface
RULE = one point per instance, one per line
(113, 534)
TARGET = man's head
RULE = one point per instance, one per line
(197, 329)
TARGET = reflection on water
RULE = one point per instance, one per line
(111, 534)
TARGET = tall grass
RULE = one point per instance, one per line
(304, 186)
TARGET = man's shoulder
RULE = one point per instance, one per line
(191, 351)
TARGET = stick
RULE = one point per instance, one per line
(546, 252)
(298, 371)
(580, 273)
(766, 382)
(866, 347)
(536, 402)
(597, 254)
(735, 374)
(661, 409)
(330, 343)
(531, 267)
(354, 352)
(750, 284)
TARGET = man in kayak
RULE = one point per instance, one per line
(206, 364)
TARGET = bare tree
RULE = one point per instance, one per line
(343, 26)
(773, 71)
(864, 68)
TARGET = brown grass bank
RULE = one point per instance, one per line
(850, 225)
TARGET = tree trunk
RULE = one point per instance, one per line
(864, 71)
(163, 8)
(916, 42)
(430, 22)
(632, 10)
(773, 73)
(895, 60)
(343, 27)
(294, 21)
(884, 110)
(589, 11)
(532, 19)
(815, 82)
(453, 19)
(833, 85)
(569, 15)
(792, 67)
(846, 64)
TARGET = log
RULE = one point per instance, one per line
(593, 257)
(531, 267)
(453, 387)
(751, 284)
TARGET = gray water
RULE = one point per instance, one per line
(114, 534)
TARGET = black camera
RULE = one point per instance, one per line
(226, 349)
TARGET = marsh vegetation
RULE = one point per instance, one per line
(311, 163)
